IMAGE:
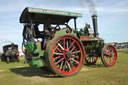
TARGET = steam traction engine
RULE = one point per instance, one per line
(59, 47)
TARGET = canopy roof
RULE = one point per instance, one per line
(41, 16)
(6, 46)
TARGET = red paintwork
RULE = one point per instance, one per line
(63, 64)
(110, 57)
(101, 39)
(84, 38)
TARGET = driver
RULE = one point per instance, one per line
(28, 33)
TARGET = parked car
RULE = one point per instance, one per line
(10, 53)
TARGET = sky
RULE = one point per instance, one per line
(112, 17)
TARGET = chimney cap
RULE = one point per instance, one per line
(94, 15)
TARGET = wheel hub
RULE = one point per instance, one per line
(110, 55)
(68, 55)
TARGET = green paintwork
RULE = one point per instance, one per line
(42, 16)
(40, 62)
(91, 46)
(38, 50)
(53, 12)
(63, 32)
(73, 33)
(36, 61)
(82, 33)
(29, 46)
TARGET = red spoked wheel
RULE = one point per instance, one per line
(91, 60)
(109, 55)
(65, 55)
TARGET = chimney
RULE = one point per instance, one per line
(95, 25)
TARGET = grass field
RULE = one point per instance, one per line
(21, 74)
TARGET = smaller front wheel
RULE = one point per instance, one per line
(91, 60)
(109, 55)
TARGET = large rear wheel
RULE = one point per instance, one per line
(109, 55)
(65, 55)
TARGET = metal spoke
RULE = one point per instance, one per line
(69, 66)
(110, 60)
(64, 65)
(72, 49)
(112, 53)
(89, 59)
(61, 65)
(107, 52)
(60, 46)
(56, 57)
(107, 59)
(59, 61)
(67, 44)
(92, 59)
(58, 49)
(74, 60)
(71, 63)
(58, 53)
(75, 56)
(71, 44)
(76, 52)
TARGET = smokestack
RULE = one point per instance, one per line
(95, 25)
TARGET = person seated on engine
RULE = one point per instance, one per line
(49, 30)
(86, 28)
(28, 33)
(89, 30)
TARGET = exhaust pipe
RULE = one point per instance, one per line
(95, 25)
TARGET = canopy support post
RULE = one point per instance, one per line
(75, 24)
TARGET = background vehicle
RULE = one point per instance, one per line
(0, 56)
(10, 53)
(58, 46)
